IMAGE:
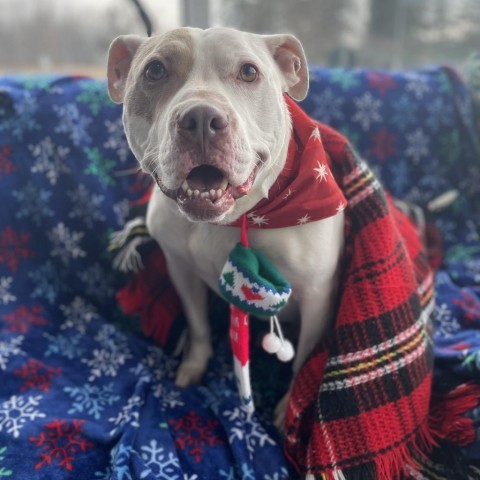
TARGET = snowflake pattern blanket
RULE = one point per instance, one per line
(83, 393)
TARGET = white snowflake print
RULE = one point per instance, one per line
(105, 362)
(97, 282)
(49, 159)
(34, 203)
(417, 84)
(257, 219)
(167, 397)
(417, 145)
(217, 391)
(68, 346)
(164, 466)
(77, 314)
(110, 337)
(91, 399)
(86, 206)
(17, 411)
(9, 348)
(155, 366)
(328, 106)
(473, 268)
(48, 282)
(129, 415)
(121, 210)
(247, 429)
(439, 113)
(113, 354)
(303, 220)
(227, 475)
(321, 171)
(25, 118)
(73, 123)
(117, 140)
(472, 236)
(340, 207)
(119, 460)
(367, 110)
(277, 476)
(65, 243)
(5, 295)
(444, 323)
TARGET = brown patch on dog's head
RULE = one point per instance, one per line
(130, 56)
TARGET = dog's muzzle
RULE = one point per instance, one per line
(206, 192)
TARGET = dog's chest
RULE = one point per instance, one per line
(208, 249)
(306, 255)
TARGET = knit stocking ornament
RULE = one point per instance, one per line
(252, 285)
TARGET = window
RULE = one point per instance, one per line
(73, 36)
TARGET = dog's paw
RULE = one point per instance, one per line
(189, 373)
(279, 414)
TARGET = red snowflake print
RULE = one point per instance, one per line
(36, 374)
(194, 434)
(380, 82)
(383, 144)
(60, 441)
(13, 248)
(6, 166)
(470, 307)
(23, 318)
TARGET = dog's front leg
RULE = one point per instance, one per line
(316, 310)
(193, 294)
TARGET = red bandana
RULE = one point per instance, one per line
(306, 190)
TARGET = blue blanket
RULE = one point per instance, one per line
(83, 393)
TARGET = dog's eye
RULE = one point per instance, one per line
(248, 73)
(156, 71)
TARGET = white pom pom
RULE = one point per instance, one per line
(271, 343)
(286, 352)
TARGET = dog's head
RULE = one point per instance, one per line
(204, 113)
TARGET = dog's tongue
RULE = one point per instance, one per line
(205, 177)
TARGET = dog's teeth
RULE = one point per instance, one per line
(219, 193)
(196, 193)
(213, 193)
(189, 192)
(204, 194)
(224, 184)
(185, 186)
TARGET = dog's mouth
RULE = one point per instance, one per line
(206, 193)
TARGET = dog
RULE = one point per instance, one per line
(205, 114)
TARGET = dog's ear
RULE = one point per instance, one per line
(120, 55)
(288, 53)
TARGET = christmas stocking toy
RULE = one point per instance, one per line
(252, 285)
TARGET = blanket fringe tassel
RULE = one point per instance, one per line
(446, 422)
(447, 414)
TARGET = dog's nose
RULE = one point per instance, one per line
(203, 122)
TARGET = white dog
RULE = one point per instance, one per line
(205, 115)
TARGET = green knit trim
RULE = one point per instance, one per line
(258, 268)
